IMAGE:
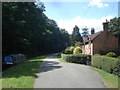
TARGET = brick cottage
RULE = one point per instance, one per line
(103, 40)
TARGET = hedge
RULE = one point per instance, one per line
(77, 58)
(109, 64)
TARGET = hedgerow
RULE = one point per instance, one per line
(77, 58)
(109, 64)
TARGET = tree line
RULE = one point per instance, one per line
(26, 29)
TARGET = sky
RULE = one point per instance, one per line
(83, 14)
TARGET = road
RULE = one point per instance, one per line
(55, 74)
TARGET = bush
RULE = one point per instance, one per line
(78, 44)
(71, 50)
(104, 52)
(108, 64)
(68, 50)
(77, 58)
(116, 70)
(118, 57)
(111, 54)
(77, 50)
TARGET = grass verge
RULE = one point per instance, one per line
(60, 59)
(22, 75)
(110, 81)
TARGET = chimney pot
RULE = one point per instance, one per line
(105, 26)
(92, 30)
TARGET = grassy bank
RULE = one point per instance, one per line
(22, 75)
(60, 59)
(111, 81)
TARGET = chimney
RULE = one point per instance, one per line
(92, 30)
(105, 26)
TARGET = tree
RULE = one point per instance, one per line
(76, 36)
(114, 28)
(26, 29)
(64, 39)
(85, 32)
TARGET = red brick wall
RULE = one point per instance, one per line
(104, 41)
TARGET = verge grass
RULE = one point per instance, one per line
(110, 80)
(22, 75)
(60, 59)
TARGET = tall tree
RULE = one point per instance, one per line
(114, 28)
(85, 32)
(76, 36)
(26, 29)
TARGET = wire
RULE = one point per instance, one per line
(85, 11)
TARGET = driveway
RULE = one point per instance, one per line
(55, 74)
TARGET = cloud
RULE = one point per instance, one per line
(82, 22)
(98, 3)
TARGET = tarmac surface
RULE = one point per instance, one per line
(56, 74)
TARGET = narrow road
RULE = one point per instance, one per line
(55, 74)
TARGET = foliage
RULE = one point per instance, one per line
(69, 50)
(26, 29)
(104, 52)
(85, 32)
(61, 60)
(80, 54)
(78, 44)
(77, 50)
(105, 63)
(114, 28)
(76, 36)
(116, 70)
(118, 57)
(111, 54)
(77, 58)
(72, 49)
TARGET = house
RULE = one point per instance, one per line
(103, 40)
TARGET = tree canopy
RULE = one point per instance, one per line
(85, 32)
(114, 28)
(76, 36)
(26, 29)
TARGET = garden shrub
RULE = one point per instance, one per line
(77, 58)
(71, 50)
(111, 54)
(116, 70)
(118, 57)
(77, 50)
(108, 64)
(104, 52)
(67, 51)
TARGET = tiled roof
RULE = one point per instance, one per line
(91, 37)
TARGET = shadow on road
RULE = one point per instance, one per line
(49, 65)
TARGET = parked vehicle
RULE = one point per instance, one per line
(14, 58)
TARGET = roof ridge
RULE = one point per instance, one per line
(92, 36)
